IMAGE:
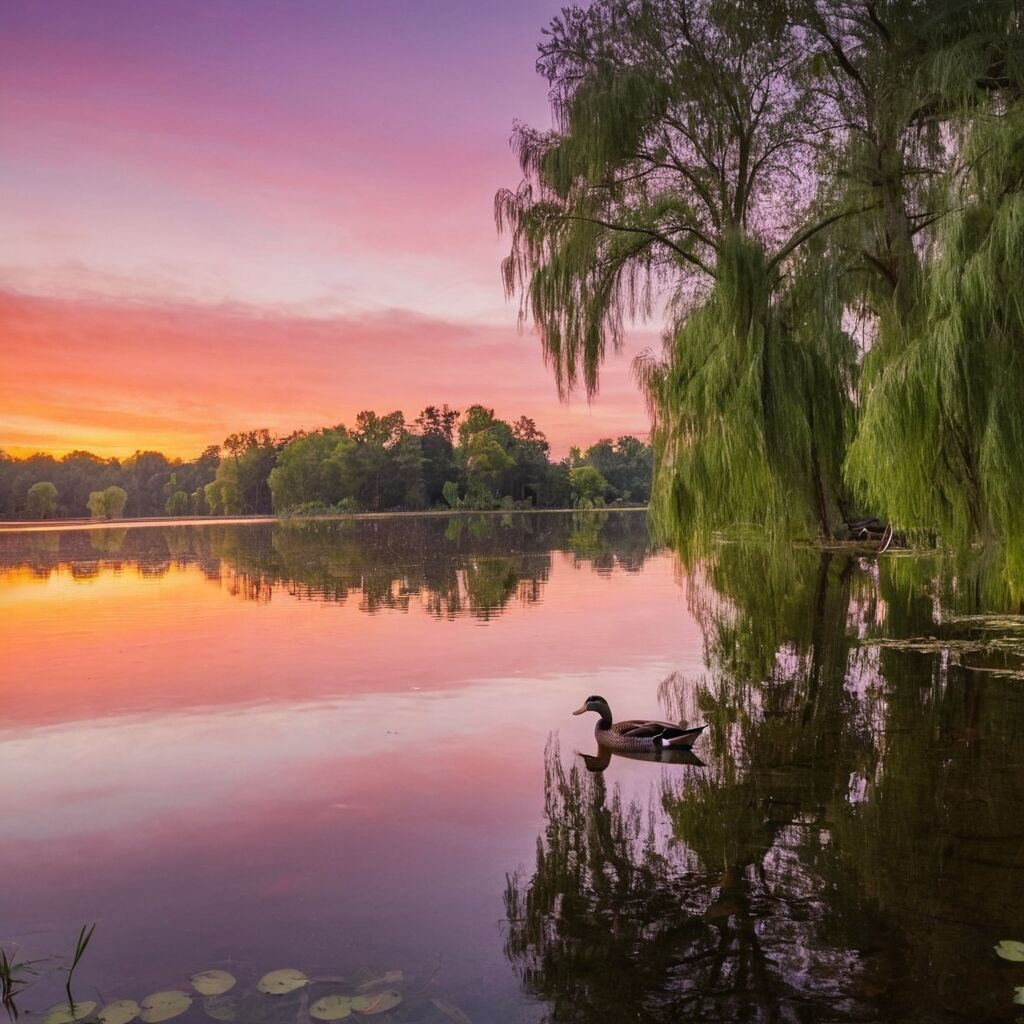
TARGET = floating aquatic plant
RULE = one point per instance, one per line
(161, 1006)
(212, 982)
(278, 983)
(332, 1007)
(379, 1003)
(365, 994)
(68, 1012)
(121, 1011)
(1011, 949)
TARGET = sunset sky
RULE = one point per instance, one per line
(220, 216)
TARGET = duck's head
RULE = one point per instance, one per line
(595, 703)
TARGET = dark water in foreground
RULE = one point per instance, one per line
(346, 748)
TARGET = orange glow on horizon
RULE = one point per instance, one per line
(114, 378)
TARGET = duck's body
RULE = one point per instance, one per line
(638, 735)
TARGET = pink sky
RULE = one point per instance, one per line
(222, 216)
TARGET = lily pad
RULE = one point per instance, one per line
(278, 983)
(1011, 949)
(332, 1007)
(67, 1013)
(379, 1003)
(1018, 996)
(121, 1011)
(213, 982)
(161, 1006)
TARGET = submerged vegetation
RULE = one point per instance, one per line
(445, 459)
(827, 201)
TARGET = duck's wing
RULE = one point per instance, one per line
(682, 732)
(651, 728)
(644, 728)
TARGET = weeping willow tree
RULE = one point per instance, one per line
(941, 444)
(773, 181)
(676, 182)
(931, 94)
(750, 406)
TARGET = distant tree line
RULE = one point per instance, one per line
(443, 459)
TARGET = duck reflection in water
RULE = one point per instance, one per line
(599, 761)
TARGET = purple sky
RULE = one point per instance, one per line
(226, 215)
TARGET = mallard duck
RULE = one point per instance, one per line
(636, 734)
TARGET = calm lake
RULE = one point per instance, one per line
(347, 748)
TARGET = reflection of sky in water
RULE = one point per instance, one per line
(294, 780)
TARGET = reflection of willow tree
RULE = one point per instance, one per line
(606, 920)
(615, 924)
(936, 838)
(852, 849)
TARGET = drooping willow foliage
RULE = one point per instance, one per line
(941, 440)
(776, 182)
(751, 406)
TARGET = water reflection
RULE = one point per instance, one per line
(600, 760)
(322, 743)
(855, 845)
(451, 566)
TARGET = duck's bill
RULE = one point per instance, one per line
(581, 711)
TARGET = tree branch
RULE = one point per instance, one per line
(800, 237)
(650, 233)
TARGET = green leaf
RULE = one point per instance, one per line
(161, 1006)
(1011, 949)
(212, 983)
(66, 1013)
(121, 1011)
(379, 1003)
(1018, 996)
(278, 983)
(332, 1007)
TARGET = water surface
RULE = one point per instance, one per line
(346, 747)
